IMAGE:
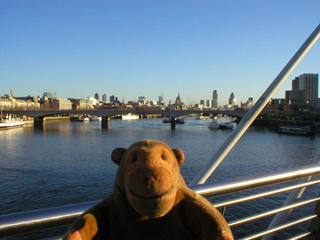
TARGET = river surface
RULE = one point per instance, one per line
(69, 162)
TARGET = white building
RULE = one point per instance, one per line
(62, 104)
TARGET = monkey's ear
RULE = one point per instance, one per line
(179, 155)
(117, 154)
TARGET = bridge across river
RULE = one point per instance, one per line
(39, 115)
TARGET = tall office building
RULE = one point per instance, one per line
(161, 100)
(104, 98)
(231, 99)
(96, 96)
(215, 99)
(113, 99)
(309, 83)
(209, 103)
(304, 90)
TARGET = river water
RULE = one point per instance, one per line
(69, 162)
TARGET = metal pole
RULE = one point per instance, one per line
(244, 124)
(296, 194)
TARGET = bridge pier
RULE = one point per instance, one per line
(38, 122)
(105, 123)
(173, 123)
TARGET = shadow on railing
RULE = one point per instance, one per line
(34, 221)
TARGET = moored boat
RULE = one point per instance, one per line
(129, 116)
(228, 125)
(95, 118)
(296, 130)
(11, 123)
(202, 118)
(176, 120)
(82, 119)
(223, 123)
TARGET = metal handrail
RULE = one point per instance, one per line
(259, 180)
(33, 221)
(281, 227)
(264, 194)
(300, 236)
(271, 212)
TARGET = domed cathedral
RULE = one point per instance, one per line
(179, 104)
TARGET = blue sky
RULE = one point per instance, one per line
(147, 48)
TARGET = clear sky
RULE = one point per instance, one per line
(147, 48)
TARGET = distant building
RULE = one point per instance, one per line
(96, 96)
(179, 103)
(161, 100)
(86, 103)
(153, 103)
(231, 99)
(104, 98)
(178, 100)
(62, 104)
(5, 104)
(209, 103)
(215, 99)
(247, 104)
(304, 91)
(47, 94)
(113, 99)
(18, 104)
(9, 101)
(143, 100)
(199, 106)
(278, 103)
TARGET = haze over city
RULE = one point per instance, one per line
(150, 48)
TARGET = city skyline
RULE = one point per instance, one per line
(146, 48)
(103, 97)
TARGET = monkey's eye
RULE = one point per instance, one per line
(163, 157)
(134, 158)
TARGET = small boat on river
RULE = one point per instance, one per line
(223, 123)
(9, 122)
(95, 119)
(82, 119)
(202, 118)
(6, 123)
(129, 116)
(296, 130)
(176, 120)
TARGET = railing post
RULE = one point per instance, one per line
(315, 224)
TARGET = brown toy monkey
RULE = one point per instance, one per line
(150, 200)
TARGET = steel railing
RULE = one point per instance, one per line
(34, 221)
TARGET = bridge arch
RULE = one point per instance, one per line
(39, 115)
